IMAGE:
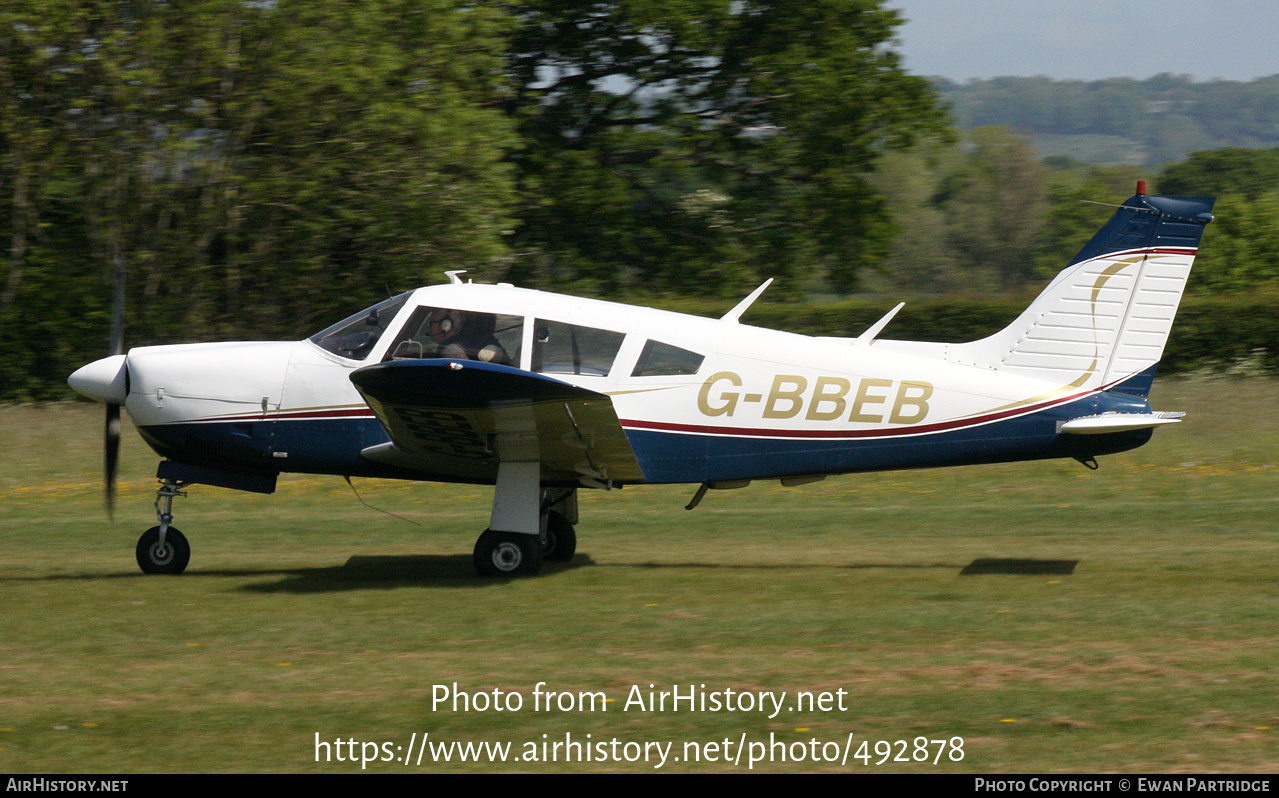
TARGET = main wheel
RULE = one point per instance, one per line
(507, 554)
(171, 558)
(561, 539)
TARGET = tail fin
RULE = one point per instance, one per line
(1106, 317)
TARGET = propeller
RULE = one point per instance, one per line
(111, 456)
(111, 433)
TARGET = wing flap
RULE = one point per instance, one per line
(459, 419)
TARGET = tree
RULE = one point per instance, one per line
(922, 258)
(359, 147)
(1229, 170)
(1241, 247)
(698, 146)
(994, 204)
(255, 169)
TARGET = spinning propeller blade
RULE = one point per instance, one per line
(111, 434)
(111, 455)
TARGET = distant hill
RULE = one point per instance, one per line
(1122, 120)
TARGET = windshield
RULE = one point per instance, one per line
(354, 337)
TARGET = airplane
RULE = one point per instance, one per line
(542, 394)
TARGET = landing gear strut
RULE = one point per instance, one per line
(163, 549)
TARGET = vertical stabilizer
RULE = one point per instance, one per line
(1106, 317)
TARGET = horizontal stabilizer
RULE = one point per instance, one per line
(1117, 422)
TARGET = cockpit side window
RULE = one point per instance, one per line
(459, 334)
(354, 337)
(663, 360)
(560, 348)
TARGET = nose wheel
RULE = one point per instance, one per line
(163, 549)
(167, 556)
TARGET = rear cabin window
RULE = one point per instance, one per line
(461, 335)
(560, 348)
(663, 360)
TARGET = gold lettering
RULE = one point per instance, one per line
(729, 398)
(864, 397)
(834, 397)
(919, 401)
(795, 397)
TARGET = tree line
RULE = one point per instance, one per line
(1159, 120)
(984, 215)
(259, 168)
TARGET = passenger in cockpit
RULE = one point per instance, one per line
(466, 336)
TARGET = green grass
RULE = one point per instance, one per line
(306, 612)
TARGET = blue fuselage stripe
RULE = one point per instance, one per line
(333, 445)
(692, 457)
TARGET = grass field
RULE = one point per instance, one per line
(307, 613)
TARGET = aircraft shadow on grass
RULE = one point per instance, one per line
(455, 571)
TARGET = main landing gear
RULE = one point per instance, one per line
(163, 549)
(521, 554)
(560, 541)
(522, 534)
(501, 553)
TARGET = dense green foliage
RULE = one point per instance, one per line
(702, 145)
(1242, 246)
(254, 169)
(1249, 173)
(258, 170)
(984, 215)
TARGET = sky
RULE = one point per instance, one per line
(1090, 39)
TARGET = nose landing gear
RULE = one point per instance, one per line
(163, 549)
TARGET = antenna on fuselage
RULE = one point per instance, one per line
(736, 313)
(453, 276)
(875, 329)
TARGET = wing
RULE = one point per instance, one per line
(457, 419)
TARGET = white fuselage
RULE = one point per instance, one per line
(792, 399)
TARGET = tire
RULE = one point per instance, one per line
(507, 554)
(172, 559)
(561, 539)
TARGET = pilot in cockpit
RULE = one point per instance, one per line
(466, 336)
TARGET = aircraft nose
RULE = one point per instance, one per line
(105, 380)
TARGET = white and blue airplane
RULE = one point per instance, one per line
(541, 394)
